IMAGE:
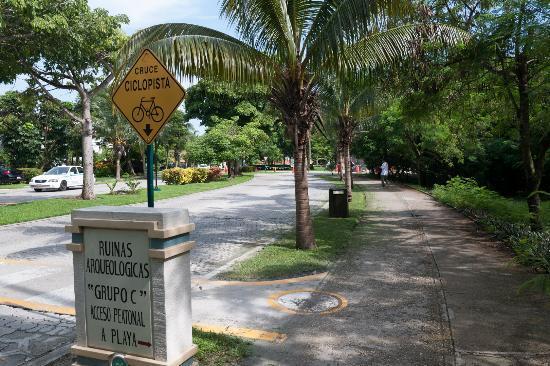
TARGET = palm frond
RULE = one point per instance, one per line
(341, 22)
(193, 51)
(302, 13)
(363, 103)
(264, 24)
(398, 43)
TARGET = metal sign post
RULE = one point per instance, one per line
(150, 172)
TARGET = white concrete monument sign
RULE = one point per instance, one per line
(132, 285)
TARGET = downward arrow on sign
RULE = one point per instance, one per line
(148, 129)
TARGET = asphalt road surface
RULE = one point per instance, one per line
(36, 267)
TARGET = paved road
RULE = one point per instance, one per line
(35, 267)
(19, 195)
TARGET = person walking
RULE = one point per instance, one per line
(384, 170)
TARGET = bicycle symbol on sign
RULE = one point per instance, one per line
(147, 107)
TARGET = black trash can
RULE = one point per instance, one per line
(338, 202)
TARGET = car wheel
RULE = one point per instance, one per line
(38, 190)
(63, 186)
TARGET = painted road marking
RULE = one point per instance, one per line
(315, 277)
(254, 334)
(32, 263)
(19, 262)
(273, 301)
(66, 310)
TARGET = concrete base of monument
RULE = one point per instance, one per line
(86, 356)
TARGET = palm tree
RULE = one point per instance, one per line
(346, 102)
(111, 129)
(290, 45)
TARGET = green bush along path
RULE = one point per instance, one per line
(61, 206)
(282, 260)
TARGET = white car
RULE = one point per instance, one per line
(60, 178)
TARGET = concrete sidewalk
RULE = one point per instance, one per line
(424, 287)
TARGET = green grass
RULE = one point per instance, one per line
(99, 180)
(282, 260)
(13, 186)
(219, 349)
(61, 206)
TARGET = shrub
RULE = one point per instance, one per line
(112, 186)
(104, 169)
(132, 183)
(466, 194)
(198, 175)
(29, 173)
(214, 174)
(173, 175)
(248, 169)
(185, 176)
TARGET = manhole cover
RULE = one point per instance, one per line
(308, 302)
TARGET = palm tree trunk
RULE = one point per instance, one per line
(338, 161)
(117, 171)
(118, 156)
(131, 167)
(347, 173)
(305, 238)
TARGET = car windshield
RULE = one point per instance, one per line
(57, 170)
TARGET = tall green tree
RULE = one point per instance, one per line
(210, 98)
(515, 49)
(63, 45)
(291, 46)
(55, 133)
(176, 135)
(34, 133)
(112, 129)
(347, 102)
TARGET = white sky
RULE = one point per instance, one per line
(144, 13)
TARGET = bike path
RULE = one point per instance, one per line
(424, 287)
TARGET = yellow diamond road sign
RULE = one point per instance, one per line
(148, 96)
